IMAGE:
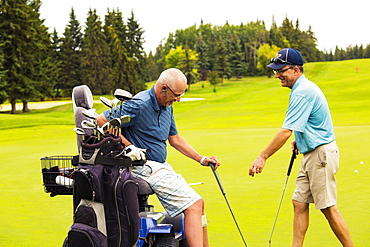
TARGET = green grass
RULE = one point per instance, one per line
(235, 124)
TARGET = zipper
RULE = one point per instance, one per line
(117, 210)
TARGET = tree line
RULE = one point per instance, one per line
(108, 52)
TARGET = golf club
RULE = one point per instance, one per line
(116, 123)
(281, 199)
(80, 131)
(107, 103)
(212, 165)
(122, 96)
(125, 118)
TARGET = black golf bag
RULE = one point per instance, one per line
(105, 196)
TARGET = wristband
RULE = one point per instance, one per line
(202, 160)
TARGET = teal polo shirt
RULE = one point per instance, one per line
(308, 115)
(150, 125)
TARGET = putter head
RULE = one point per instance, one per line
(106, 102)
(122, 95)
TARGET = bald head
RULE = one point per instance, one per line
(170, 86)
(173, 78)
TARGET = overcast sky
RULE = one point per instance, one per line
(341, 23)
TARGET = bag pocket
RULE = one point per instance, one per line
(81, 235)
(127, 201)
(87, 183)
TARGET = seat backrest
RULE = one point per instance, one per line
(82, 100)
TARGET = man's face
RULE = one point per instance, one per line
(172, 95)
(287, 75)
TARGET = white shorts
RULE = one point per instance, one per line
(171, 188)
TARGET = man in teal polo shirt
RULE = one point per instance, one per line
(152, 125)
(308, 115)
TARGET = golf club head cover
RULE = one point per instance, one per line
(135, 153)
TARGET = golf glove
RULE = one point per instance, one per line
(135, 153)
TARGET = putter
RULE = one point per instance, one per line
(281, 199)
(212, 165)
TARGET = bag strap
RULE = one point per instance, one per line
(104, 160)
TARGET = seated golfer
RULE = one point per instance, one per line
(308, 115)
(152, 124)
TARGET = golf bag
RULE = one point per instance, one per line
(105, 196)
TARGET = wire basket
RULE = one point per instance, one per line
(57, 174)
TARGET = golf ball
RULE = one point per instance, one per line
(361, 162)
(356, 171)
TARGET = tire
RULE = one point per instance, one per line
(65, 243)
(183, 243)
(166, 242)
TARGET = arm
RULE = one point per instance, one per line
(101, 120)
(181, 145)
(280, 139)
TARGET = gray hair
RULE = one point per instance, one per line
(171, 76)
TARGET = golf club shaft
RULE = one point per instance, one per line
(282, 195)
(227, 202)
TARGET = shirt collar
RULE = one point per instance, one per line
(153, 99)
(298, 81)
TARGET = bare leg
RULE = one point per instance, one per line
(196, 235)
(301, 219)
(338, 225)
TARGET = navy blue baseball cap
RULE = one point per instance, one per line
(284, 57)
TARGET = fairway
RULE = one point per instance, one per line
(236, 123)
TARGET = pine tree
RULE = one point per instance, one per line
(25, 45)
(95, 56)
(222, 65)
(69, 55)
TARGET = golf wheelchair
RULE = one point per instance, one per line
(134, 223)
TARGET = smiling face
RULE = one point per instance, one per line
(170, 86)
(288, 75)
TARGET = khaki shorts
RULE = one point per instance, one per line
(171, 188)
(316, 181)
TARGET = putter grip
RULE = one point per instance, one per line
(291, 163)
(212, 165)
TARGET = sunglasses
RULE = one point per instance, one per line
(176, 95)
(279, 72)
(278, 60)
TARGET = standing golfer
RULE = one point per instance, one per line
(152, 124)
(309, 117)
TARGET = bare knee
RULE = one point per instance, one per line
(300, 207)
(197, 208)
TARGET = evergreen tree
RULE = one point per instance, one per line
(203, 58)
(95, 56)
(69, 55)
(3, 95)
(24, 43)
(222, 65)
(134, 47)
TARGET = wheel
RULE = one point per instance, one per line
(166, 242)
(183, 243)
(65, 243)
